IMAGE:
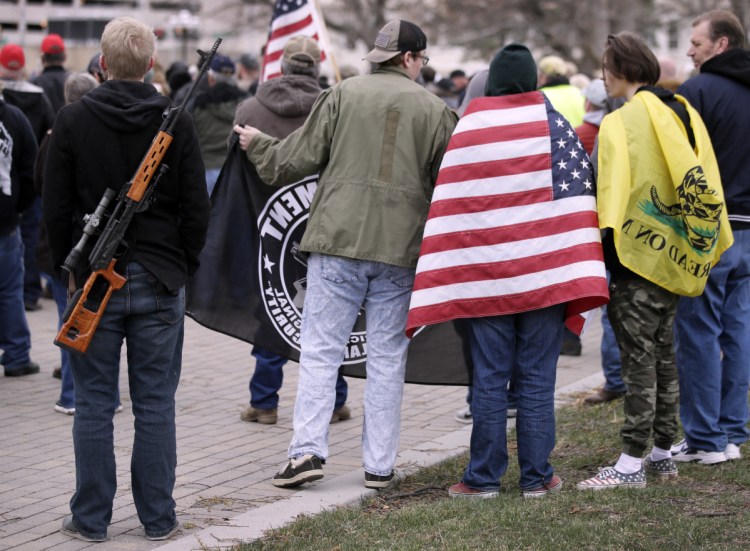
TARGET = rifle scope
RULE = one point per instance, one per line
(93, 227)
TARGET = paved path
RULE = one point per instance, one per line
(223, 491)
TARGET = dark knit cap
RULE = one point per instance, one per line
(512, 71)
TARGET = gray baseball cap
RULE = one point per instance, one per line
(397, 37)
(596, 93)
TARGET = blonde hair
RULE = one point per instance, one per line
(128, 47)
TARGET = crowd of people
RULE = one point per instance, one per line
(659, 165)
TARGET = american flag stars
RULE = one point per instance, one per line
(287, 5)
(571, 164)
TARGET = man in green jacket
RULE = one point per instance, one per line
(378, 141)
(213, 115)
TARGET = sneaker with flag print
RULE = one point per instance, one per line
(665, 468)
(609, 478)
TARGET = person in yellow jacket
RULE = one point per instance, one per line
(565, 98)
(661, 205)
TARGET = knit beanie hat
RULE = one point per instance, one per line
(512, 71)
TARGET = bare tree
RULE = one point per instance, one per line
(575, 29)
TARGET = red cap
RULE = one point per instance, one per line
(53, 44)
(12, 58)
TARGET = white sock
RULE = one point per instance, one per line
(657, 454)
(297, 461)
(627, 464)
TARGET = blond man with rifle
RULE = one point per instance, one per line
(129, 277)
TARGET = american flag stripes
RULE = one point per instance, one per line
(290, 18)
(512, 226)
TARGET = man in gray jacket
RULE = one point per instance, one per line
(378, 141)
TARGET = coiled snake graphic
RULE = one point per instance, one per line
(699, 208)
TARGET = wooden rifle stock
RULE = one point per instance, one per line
(81, 320)
(149, 165)
(86, 306)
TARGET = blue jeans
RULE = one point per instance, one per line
(512, 395)
(610, 357)
(269, 375)
(60, 294)
(15, 339)
(527, 346)
(212, 174)
(151, 321)
(337, 288)
(29, 224)
(713, 389)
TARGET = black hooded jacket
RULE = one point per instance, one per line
(30, 99)
(17, 153)
(721, 94)
(52, 81)
(98, 143)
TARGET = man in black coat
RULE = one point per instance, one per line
(17, 153)
(53, 75)
(98, 143)
(32, 100)
(712, 342)
(28, 97)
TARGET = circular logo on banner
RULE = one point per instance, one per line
(283, 267)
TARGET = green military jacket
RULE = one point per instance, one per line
(377, 141)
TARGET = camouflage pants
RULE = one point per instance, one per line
(642, 316)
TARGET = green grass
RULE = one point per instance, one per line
(706, 507)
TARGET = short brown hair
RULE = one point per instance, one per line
(723, 23)
(395, 61)
(627, 56)
(127, 46)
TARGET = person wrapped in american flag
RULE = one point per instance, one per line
(512, 246)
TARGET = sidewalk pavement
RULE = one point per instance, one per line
(223, 491)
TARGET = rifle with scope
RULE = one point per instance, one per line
(86, 306)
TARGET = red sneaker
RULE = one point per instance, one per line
(462, 490)
(554, 485)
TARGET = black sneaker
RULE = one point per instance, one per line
(70, 529)
(378, 482)
(298, 471)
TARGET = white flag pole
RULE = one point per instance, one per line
(320, 24)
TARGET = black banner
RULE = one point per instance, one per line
(251, 282)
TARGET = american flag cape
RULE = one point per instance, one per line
(291, 18)
(512, 226)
